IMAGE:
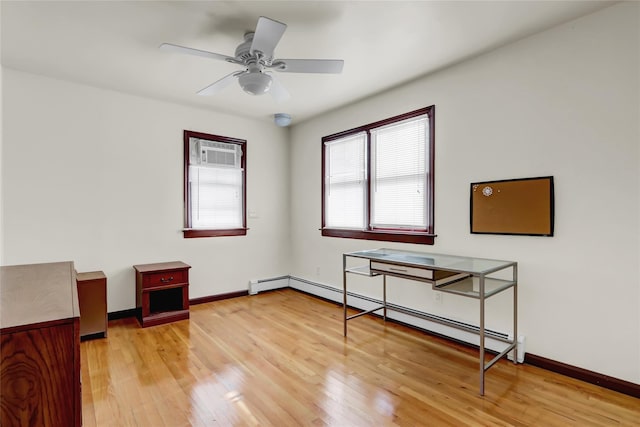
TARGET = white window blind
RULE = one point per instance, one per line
(215, 187)
(345, 182)
(399, 175)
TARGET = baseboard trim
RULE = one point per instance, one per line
(585, 375)
(218, 297)
(122, 314)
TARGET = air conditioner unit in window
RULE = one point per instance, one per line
(218, 154)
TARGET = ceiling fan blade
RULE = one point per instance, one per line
(329, 66)
(197, 52)
(216, 87)
(267, 35)
(277, 91)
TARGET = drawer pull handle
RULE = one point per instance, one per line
(398, 269)
(163, 280)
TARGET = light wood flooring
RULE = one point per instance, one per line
(279, 359)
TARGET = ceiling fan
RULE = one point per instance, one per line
(255, 54)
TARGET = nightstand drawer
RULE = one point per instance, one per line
(165, 278)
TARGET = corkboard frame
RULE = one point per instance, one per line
(523, 206)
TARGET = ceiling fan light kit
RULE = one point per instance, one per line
(255, 83)
(255, 54)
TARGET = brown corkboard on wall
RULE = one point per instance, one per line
(514, 206)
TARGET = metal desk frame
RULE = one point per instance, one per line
(479, 268)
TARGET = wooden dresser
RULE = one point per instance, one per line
(40, 333)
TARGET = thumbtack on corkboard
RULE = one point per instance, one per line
(522, 206)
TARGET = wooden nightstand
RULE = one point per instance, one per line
(162, 292)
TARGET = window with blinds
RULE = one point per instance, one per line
(399, 175)
(345, 182)
(378, 180)
(215, 185)
(216, 197)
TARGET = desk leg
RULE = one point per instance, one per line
(344, 292)
(481, 335)
(384, 296)
(515, 314)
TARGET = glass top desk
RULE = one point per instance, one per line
(465, 276)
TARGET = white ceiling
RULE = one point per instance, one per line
(114, 44)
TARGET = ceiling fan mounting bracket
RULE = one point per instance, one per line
(244, 55)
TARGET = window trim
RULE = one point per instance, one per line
(189, 232)
(390, 235)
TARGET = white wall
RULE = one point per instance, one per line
(1, 136)
(564, 103)
(96, 177)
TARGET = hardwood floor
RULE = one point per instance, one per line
(279, 359)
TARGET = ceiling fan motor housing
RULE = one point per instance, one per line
(243, 51)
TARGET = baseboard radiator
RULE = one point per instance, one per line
(262, 285)
(494, 340)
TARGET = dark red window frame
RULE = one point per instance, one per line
(426, 237)
(191, 233)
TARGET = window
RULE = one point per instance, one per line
(214, 185)
(378, 180)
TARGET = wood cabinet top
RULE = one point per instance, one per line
(37, 293)
(90, 275)
(161, 266)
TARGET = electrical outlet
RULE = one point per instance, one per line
(318, 271)
(438, 297)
